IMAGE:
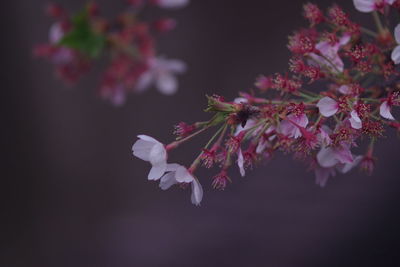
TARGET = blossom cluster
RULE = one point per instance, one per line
(78, 41)
(328, 109)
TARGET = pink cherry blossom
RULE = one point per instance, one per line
(330, 156)
(290, 126)
(330, 59)
(322, 174)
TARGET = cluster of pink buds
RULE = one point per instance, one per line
(77, 41)
(336, 98)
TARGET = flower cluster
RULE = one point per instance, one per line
(336, 98)
(78, 41)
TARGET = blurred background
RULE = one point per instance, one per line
(75, 196)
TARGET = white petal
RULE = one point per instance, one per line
(182, 175)
(197, 192)
(364, 5)
(327, 106)
(168, 180)
(240, 162)
(384, 111)
(167, 83)
(326, 157)
(397, 33)
(355, 120)
(396, 55)
(157, 171)
(142, 149)
(158, 154)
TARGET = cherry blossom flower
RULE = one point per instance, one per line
(353, 78)
(330, 156)
(161, 73)
(396, 51)
(322, 174)
(179, 174)
(289, 126)
(149, 149)
(76, 41)
(367, 6)
(329, 57)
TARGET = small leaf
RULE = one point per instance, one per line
(83, 38)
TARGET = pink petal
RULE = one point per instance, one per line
(364, 5)
(343, 154)
(326, 157)
(396, 55)
(327, 106)
(345, 168)
(384, 111)
(324, 137)
(397, 33)
(56, 33)
(355, 120)
(344, 89)
(344, 39)
(322, 175)
(240, 162)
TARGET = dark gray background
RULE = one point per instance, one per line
(74, 195)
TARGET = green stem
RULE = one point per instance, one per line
(377, 21)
